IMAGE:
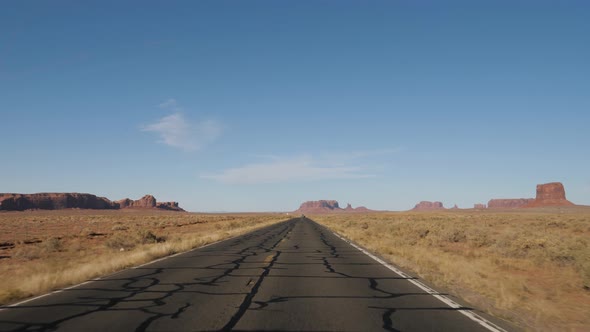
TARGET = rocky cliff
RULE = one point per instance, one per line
(321, 204)
(172, 206)
(550, 194)
(428, 206)
(147, 201)
(508, 203)
(327, 206)
(58, 201)
(54, 201)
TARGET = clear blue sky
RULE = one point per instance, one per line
(260, 105)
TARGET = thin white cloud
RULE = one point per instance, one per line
(279, 170)
(169, 104)
(177, 131)
(369, 153)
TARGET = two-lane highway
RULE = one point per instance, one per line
(292, 276)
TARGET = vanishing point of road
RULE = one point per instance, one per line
(292, 276)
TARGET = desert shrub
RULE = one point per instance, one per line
(121, 241)
(480, 239)
(119, 228)
(86, 231)
(28, 252)
(53, 244)
(146, 237)
(454, 235)
(11, 295)
(585, 269)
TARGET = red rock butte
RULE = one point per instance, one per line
(509, 203)
(54, 201)
(550, 194)
(328, 206)
(428, 206)
(59, 201)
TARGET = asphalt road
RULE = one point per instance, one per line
(292, 276)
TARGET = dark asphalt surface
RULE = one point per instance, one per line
(292, 276)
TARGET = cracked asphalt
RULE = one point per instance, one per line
(291, 276)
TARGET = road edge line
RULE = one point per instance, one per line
(471, 315)
(4, 307)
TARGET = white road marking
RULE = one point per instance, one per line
(471, 315)
(4, 307)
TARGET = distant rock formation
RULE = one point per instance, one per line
(509, 203)
(550, 194)
(54, 201)
(428, 206)
(362, 209)
(172, 206)
(319, 206)
(479, 206)
(147, 201)
(58, 201)
(328, 206)
(455, 207)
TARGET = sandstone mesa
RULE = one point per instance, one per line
(328, 206)
(428, 206)
(59, 201)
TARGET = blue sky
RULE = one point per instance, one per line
(260, 105)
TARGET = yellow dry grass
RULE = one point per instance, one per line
(531, 267)
(46, 250)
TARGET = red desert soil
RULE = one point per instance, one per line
(41, 250)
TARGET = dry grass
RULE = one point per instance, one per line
(531, 267)
(45, 250)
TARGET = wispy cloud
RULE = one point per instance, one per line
(364, 154)
(177, 131)
(280, 170)
(169, 104)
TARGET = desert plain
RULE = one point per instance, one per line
(528, 266)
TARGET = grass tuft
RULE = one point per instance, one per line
(531, 267)
(56, 249)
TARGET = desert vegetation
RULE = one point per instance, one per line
(44, 250)
(531, 267)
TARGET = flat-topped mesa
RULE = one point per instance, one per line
(59, 201)
(54, 201)
(550, 194)
(479, 206)
(147, 201)
(509, 203)
(428, 206)
(172, 206)
(321, 204)
(328, 206)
